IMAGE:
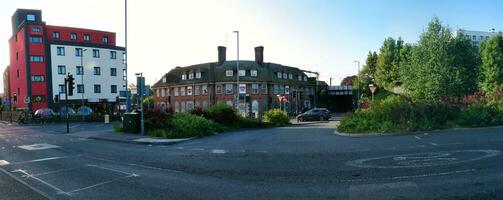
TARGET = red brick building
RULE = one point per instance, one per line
(262, 86)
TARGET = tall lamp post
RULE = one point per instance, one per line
(237, 66)
(358, 97)
(139, 89)
(82, 80)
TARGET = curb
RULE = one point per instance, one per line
(139, 142)
(356, 135)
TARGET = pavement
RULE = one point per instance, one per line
(307, 161)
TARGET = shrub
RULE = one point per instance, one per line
(198, 111)
(157, 118)
(220, 113)
(187, 125)
(117, 126)
(480, 114)
(276, 117)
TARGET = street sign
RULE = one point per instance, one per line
(27, 100)
(372, 88)
(140, 85)
(287, 89)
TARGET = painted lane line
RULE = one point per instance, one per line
(197, 149)
(34, 147)
(448, 144)
(218, 151)
(102, 183)
(417, 137)
(111, 169)
(44, 159)
(4, 162)
(56, 171)
(133, 164)
(27, 175)
(434, 144)
(434, 174)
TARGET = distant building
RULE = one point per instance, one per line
(262, 86)
(42, 55)
(477, 36)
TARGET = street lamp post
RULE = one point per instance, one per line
(82, 80)
(139, 89)
(237, 66)
(358, 97)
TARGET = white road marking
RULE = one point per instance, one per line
(4, 162)
(197, 149)
(34, 147)
(102, 183)
(448, 144)
(56, 171)
(416, 146)
(44, 159)
(434, 144)
(417, 137)
(111, 169)
(218, 151)
(27, 175)
(425, 134)
(434, 174)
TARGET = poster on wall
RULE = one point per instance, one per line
(242, 88)
(189, 91)
(287, 89)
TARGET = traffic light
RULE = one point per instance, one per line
(71, 85)
(56, 98)
(15, 98)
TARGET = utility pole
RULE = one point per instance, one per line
(128, 100)
(82, 80)
(358, 97)
(237, 66)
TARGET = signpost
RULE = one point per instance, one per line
(372, 88)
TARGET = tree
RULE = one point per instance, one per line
(367, 74)
(388, 64)
(348, 80)
(492, 64)
(440, 65)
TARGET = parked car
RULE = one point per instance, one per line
(320, 114)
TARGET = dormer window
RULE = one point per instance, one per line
(280, 75)
(285, 76)
(73, 36)
(184, 76)
(305, 78)
(290, 76)
(191, 76)
(198, 75)
(164, 79)
(105, 40)
(55, 35)
(229, 73)
(242, 72)
(253, 73)
(87, 37)
(30, 17)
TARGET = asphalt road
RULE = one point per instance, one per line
(298, 162)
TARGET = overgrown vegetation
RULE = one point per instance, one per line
(276, 117)
(444, 80)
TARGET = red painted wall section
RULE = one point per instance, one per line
(38, 69)
(18, 63)
(96, 36)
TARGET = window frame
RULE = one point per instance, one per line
(97, 89)
(96, 53)
(79, 72)
(112, 87)
(73, 36)
(229, 73)
(97, 71)
(60, 51)
(62, 67)
(112, 70)
(253, 73)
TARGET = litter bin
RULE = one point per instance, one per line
(107, 119)
(131, 122)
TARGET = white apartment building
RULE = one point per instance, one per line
(477, 36)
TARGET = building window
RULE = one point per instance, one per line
(62, 88)
(73, 36)
(96, 53)
(242, 72)
(299, 77)
(305, 78)
(253, 73)
(87, 37)
(105, 40)
(264, 88)
(290, 76)
(35, 39)
(197, 90)
(481, 38)
(254, 88)
(160, 92)
(97, 71)
(279, 74)
(474, 38)
(55, 35)
(164, 79)
(281, 89)
(80, 70)
(78, 52)
(97, 88)
(275, 89)
(198, 75)
(219, 89)
(228, 88)
(36, 59)
(37, 78)
(113, 71)
(285, 76)
(184, 76)
(61, 69)
(487, 38)
(113, 55)
(177, 92)
(60, 51)
(191, 76)
(80, 89)
(204, 90)
(182, 91)
(229, 73)
(30, 17)
(36, 30)
(113, 89)
(189, 91)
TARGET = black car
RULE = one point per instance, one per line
(315, 114)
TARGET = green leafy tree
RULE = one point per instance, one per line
(367, 74)
(388, 64)
(440, 65)
(492, 64)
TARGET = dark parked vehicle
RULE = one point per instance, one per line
(315, 114)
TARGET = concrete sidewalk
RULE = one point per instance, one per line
(112, 136)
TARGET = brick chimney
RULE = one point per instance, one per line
(259, 55)
(221, 54)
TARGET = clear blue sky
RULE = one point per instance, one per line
(324, 35)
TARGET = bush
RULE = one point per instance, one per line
(117, 126)
(480, 114)
(157, 119)
(186, 125)
(276, 117)
(220, 113)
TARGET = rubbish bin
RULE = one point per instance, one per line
(107, 119)
(131, 122)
